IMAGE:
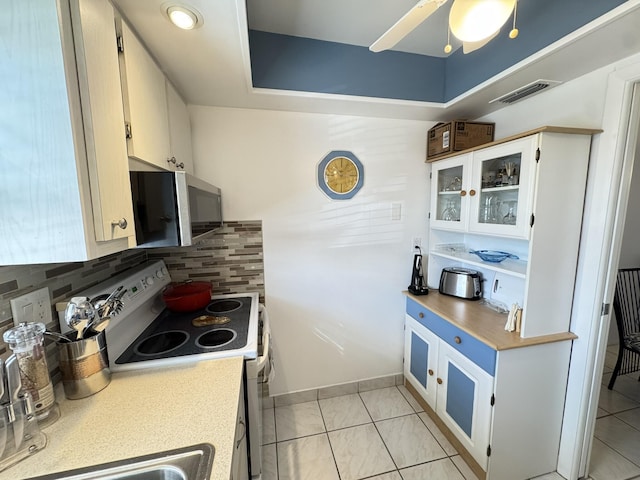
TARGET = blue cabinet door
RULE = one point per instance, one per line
(421, 359)
(464, 401)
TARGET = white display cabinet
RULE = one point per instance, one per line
(523, 195)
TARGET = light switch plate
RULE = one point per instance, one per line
(32, 307)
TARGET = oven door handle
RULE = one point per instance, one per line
(266, 339)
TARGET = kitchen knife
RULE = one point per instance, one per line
(15, 384)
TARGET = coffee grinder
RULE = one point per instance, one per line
(418, 284)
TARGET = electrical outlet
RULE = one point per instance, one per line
(32, 307)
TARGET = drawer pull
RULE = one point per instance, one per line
(431, 372)
(457, 339)
(421, 315)
(439, 380)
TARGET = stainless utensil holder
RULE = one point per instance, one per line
(19, 416)
(85, 366)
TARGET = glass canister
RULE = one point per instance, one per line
(27, 342)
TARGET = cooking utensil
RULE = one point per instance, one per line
(187, 297)
(96, 327)
(15, 385)
(493, 256)
(105, 305)
(78, 314)
(57, 337)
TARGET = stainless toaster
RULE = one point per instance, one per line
(461, 282)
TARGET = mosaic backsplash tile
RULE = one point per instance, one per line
(231, 259)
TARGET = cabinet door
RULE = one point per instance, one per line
(449, 188)
(240, 460)
(101, 97)
(504, 176)
(146, 102)
(464, 401)
(421, 359)
(179, 131)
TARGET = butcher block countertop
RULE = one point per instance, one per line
(144, 412)
(481, 322)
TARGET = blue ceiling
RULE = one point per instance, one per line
(285, 62)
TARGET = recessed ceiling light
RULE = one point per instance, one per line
(183, 17)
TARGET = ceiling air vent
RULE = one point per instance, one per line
(526, 91)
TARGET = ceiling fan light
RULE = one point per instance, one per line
(475, 20)
(182, 17)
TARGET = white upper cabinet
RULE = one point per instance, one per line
(179, 131)
(145, 102)
(66, 193)
(504, 178)
(156, 115)
(486, 192)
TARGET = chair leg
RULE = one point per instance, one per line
(617, 368)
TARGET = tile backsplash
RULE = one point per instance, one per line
(231, 259)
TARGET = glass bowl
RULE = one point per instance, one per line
(493, 256)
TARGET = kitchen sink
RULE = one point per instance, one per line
(188, 463)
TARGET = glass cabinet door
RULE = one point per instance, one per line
(503, 178)
(449, 202)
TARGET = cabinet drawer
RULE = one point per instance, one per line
(472, 348)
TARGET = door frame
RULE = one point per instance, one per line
(608, 189)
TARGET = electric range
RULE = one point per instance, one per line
(145, 334)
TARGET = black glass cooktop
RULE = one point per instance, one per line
(221, 325)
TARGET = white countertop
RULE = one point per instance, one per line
(144, 412)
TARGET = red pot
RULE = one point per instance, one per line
(187, 297)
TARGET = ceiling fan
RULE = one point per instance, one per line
(474, 22)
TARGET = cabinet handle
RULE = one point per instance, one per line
(472, 193)
(180, 165)
(122, 223)
(463, 193)
(421, 315)
(431, 372)
(244, 432)
(172, 160)
(458, 340)
(439, 380)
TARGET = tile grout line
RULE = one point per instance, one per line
(326, 432)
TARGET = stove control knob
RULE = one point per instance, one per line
(164, 270)
(149, 280)
(159, 274)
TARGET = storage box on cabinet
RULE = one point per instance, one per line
(66, 178)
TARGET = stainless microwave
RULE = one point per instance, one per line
(173, 208)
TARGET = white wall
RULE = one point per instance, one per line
(630, 253)
(334, 270)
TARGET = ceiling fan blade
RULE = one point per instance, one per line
(468, 47)
(414, 17)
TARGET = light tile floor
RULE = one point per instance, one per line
(380, 434)
(616, 447)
